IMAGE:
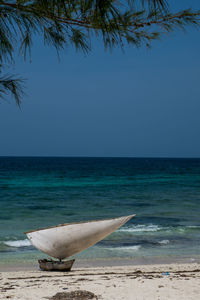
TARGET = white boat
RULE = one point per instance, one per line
(66, 240)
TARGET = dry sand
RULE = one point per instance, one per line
(148, 282)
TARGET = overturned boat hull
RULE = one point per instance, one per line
(68, 239)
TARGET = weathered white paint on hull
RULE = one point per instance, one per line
(68, 239)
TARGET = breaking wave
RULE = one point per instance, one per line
(126, 248)
(164, 242)
(180, 229)
(141, 228)
(18, 244)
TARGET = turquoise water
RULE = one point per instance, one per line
(164, 194)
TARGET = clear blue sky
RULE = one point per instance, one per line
(141, 103)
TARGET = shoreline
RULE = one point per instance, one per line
(10, 266)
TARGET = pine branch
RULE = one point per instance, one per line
(76, 22)
(13, 86)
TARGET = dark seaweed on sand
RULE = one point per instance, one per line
(74, 295)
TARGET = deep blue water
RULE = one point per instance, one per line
(164, 193)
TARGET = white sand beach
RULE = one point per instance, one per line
(141, 282)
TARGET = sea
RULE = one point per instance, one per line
(164, 193)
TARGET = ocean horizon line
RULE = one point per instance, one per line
(85, 156)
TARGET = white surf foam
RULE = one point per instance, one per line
(18, 244)
(126, 248)
(164, 242)
(141, 228)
